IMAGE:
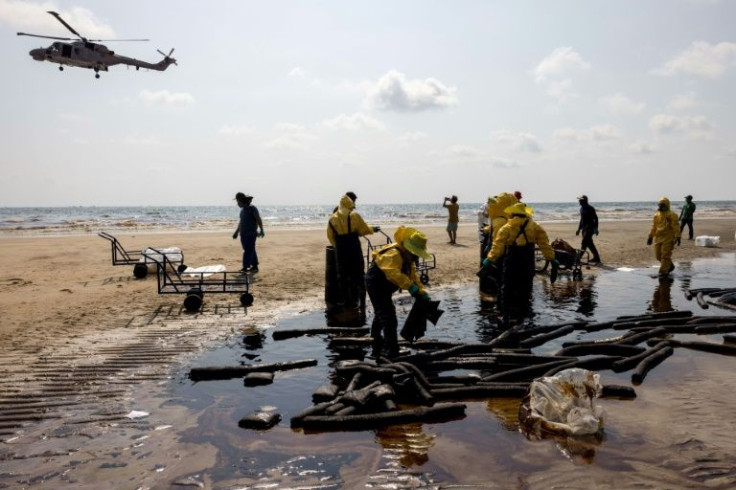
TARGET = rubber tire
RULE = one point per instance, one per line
(246, 299)
(193, 302)
(140, 271)
(424, 278)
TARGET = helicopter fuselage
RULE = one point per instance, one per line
(86, 54)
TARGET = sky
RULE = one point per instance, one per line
(297, 102)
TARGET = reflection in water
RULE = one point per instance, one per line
(506, 411)
(580, 449)
(662, 299)
(408, 444)
(568, 291)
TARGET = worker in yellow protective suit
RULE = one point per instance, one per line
(513, 246)
(496, 211)
(393, 268)
(665, 233)
(344, 229)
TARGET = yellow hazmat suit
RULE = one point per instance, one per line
(665, 232)
(396, 263)
(497, 211)
(339, 221)
(510, 234)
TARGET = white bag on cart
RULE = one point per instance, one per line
(150, 256)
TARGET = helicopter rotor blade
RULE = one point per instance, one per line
(47, 37)
(168, 56)
(114, 40)
(58, 17)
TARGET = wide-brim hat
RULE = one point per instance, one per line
(416, 243)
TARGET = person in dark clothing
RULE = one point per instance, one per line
(589, 226)
(248, 226)
(686, 216)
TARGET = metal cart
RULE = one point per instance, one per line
(570, 259)
(423, 265)
(173, 279)
(140, 263)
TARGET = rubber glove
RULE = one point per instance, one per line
(555, 263)
(487, 262)
(677, 241)
(649, 240)
(595, 231)
(376, 229)
(262, 233)
(235, 235)
(425, 297)
(577, 232)
(414, 290)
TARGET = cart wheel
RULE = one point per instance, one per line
(140, 271)
(192, 303)
(424, 278)
(577, 275)
(181, 268)
(246, 299)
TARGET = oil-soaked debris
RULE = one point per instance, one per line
(260, 420)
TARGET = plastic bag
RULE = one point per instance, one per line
(563, 404)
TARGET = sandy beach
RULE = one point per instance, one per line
(63, 302)
(66, 285)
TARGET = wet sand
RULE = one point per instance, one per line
(64, 304)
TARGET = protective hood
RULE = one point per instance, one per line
(497, 204)
(346, 205)
(666, 203)
(520, 209)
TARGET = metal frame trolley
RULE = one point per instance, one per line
(194, 285)
(570, 259)
(140, 264)
(423, 265)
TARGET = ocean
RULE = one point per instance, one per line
(91, 219)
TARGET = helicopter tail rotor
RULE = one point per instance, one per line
(167, 57)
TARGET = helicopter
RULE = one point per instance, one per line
(86, 53)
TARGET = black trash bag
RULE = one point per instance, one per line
(416, 323)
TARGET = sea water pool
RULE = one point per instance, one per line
(677, 432)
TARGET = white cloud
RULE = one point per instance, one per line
(518, 141)
(34, 17)
(141, 141)
(701, 59)
(297, 72)
(621, 105)
(667, 124)
(475, 155)
(394, 92)
(555, 70)
(683, 101)
(465, 151)
(559, 64)
(291, 136)
(641, 147)
(166, 98)
(603, 132)
(412, 136)
(354, 122)
(235, 130)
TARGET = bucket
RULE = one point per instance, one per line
(707, 241)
